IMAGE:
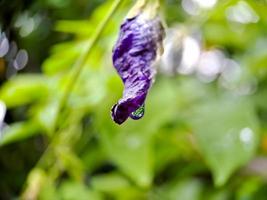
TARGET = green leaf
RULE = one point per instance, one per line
(79, 27)
(190, 189)
(132, 152)
(180, 189)
(117, 186)
(227, 134)
(109, 182)
(93, 157)
(71, 190)
(46, 114)
(71, 163)
(18, 131)
(172, 145)
(23, 89)
(63, 56)
(249, 187)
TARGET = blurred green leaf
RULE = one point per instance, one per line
(91, 92)
(132, 152)
(221, 33)
(93, 157)
(109, 182)
(18, 131)
(172, 145)
(63, 56)
(185, 189)
(79, 27)
(70, 190)
(71, 163)
(248, 188)
(24, 89)
(116, 186)
(227, 133)
(45, 114)
(223, 194)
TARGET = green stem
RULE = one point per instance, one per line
(76, 72)
(80, 63)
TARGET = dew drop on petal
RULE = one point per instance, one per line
(21, 59)
(139, 113)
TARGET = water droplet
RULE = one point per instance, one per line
(139, 113)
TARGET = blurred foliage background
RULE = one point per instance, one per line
(203, 135)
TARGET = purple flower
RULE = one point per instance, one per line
(133, 57)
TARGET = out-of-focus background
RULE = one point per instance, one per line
(203, 136)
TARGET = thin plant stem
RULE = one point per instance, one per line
(81, 61)
(74, 76)
(76, 72)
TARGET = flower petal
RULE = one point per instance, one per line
(133, 57)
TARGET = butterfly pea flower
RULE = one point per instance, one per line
(134, 54)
